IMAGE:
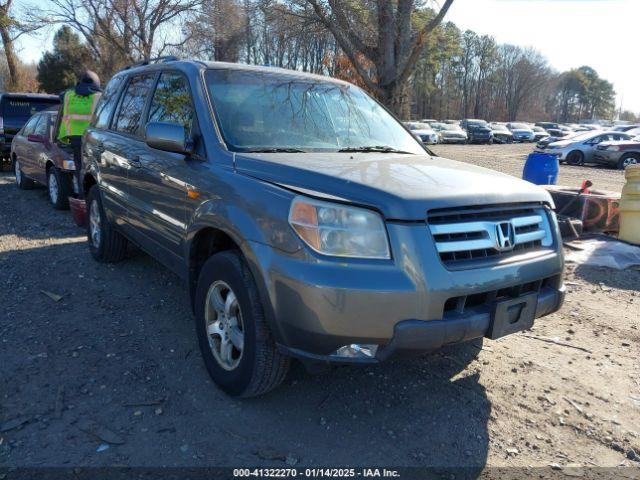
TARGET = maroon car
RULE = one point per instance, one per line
(37, 158)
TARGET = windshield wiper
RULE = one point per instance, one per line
(275, 150)
(374, 148)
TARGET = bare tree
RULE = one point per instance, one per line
(133, 29)
(10, 29)
(380, 32)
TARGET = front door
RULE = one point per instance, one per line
(158, 185)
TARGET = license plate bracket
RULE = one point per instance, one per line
(512, 315)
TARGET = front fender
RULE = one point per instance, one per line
(249, 212)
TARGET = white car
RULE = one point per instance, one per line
(450, 133)
(423, 132)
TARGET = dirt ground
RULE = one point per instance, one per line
(110, 374)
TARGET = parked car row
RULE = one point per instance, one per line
(471, 130)
(296, 239)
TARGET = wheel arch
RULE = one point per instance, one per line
(88, 181)
(208, 240)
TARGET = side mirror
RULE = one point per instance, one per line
(168, 137)
(35, 138)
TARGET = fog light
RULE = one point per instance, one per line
(356, 350)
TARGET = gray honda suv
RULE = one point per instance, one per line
(308, 222)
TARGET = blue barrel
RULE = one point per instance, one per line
(541, 169)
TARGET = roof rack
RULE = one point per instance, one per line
(149, 61)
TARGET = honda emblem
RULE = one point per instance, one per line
(505, 236)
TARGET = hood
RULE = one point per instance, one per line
(522, 131)
(473, 128)
(402, 187)
(455, 132)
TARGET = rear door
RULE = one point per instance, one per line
(120, 149)
(158, 187)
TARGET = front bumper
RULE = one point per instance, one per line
(454, 140)
(425, 336)
(319, 304)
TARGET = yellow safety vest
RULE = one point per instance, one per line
(76, 114)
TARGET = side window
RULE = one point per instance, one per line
(42, 127)
(107, 103)
(172, 101)
(29, 128)
(129, 113)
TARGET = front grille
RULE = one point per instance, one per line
(466, 235)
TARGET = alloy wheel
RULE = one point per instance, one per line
(18, 172)
(95, 223)
(53, 188)
(224, 326)
(629, 161)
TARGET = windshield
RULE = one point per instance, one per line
(476, 123)
(582, 136)
(520, 126)
(499, 128)
(260, 111)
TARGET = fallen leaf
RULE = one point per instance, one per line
(53, 296)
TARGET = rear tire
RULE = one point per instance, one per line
(255, 368)
(575, 158)
(59, 187)
(628, 159)
(22, 182)
(105, 243)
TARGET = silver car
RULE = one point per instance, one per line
(580, 149)
(521, 132)
(450, 133)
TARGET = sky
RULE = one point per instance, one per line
(570, 33)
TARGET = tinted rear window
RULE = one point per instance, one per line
(24, 107)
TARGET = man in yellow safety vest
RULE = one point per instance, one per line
(76, 109)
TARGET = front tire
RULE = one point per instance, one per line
(575, 158)
(628, 159)
(59, 188)
(22, 182)
(235, 341)
(106, 244)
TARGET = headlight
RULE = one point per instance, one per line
(613, 148)
(339, 230)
